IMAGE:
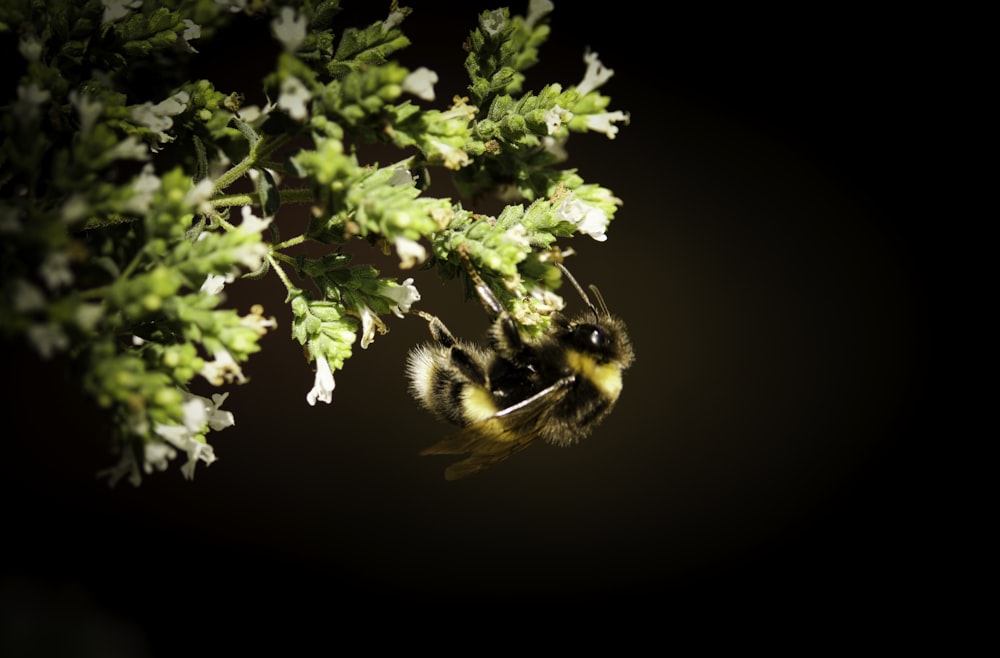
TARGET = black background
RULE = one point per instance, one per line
(758, 465)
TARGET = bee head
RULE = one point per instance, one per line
(596, 332)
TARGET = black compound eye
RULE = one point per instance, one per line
(590, 338)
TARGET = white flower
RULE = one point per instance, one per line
(293, 98)
(75, 208)
(144, 186)
(214, 283)
(55, 271)
(323, 385)
(191, 31)
(410, 252)
(27, 297)
(47, 339)
(545, 301)
(256, 321)
(198, 412)
(555, 117)
(394, 19)
(223, 368)
(404, 295)
(557, 147)
(125, 466)
(159, 118)
(254, 114)
(30, 48)
(494, 23)
(604, 122)
(369, 323)
(116, 9)
(401, 176)
(536, 10)
(289, 28)
(595, 76)
(233, 6)
(29, 99)
(517, 235)
(157, 454)
(88, 315)
(587, 219)
(252, 255)
(421, 83)
(454, 157)
(199, 196)
(129, 148)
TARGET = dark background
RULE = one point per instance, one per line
(759, 462)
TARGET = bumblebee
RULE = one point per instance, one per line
(557, 387)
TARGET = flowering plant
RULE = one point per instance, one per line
(131, 197)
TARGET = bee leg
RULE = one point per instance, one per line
(493, 306)
(461, 359)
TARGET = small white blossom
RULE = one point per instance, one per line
(217, 418)
(159, 118)
(370, 322)
(47, 339)
(404, 295)
(293, 98)
(117, 9)
(401, 176)
(545, 301)
(233, 6)
(517, 235)
(157, 455)
(29, 99)
(75, 208)
(125, 466)
(454, 157)
(557, 147)
(223, 368)
(554, 118)
(289, 28)
(254, 114)
(256, 321)
(199, 412)
(536, 10)
(604, 122)
(252, 255)
(27, 297)
(55, 271)
(587, 219)
(214, 283)
(129, 148)
(30, 48)
(88, 315)
(199, 196)
(144, 186)
(494, 23)
(323, 385)
(191, 31)
(410, 252)
(394, 19)
(595, 76)
(421, 83)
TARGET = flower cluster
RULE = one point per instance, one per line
(131, 198)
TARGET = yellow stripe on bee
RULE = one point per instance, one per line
(607, 377)
(477, 404)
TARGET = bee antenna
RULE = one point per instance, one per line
(600, 300)
(579, 289)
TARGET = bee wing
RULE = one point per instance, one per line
(506, 433)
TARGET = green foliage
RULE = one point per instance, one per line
(120, 171)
